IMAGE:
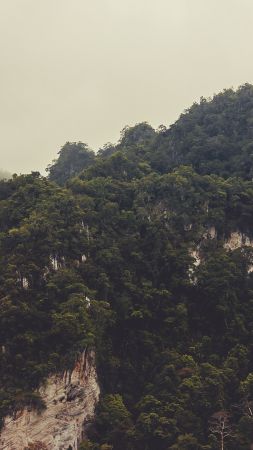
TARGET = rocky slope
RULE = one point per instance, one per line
(233, 242)
(70, 401)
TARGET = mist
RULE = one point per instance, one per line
(4, 175)
(80, 70)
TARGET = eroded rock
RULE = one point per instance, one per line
(233, 242)
(70, 401)
(237, 240)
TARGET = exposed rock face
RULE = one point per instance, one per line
(196, 257)
(237, 240)
(196, 253)
(70, 402)
(211, 233)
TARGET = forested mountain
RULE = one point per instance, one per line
(73, 158)
(102, 254)
(214, 136)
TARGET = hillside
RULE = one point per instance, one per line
(142, 253)
(214, 136)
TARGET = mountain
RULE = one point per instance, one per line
(214, 136)
(143, 254)
(73, 158)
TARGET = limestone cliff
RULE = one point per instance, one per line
(234, 241)
(237, 240)
(70, 401)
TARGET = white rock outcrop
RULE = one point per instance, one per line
(234, 241)
(70, 401)
(237, 240)
(211, 233)
(196, 252)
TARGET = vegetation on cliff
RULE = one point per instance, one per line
(173, 340)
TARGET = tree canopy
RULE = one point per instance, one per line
(173, 338)
(73, 158)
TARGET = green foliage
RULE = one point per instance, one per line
(179, 345)
(73, 158)
(173, 339)
(87, 445)
(186, 442)
(113, 421)
(45, 317)
(214, 136)
(141, 133)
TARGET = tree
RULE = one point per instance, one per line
(87, 445)
(186, 442)
(140, 133)
(113, 420)
(214, 136)
(219, 425)
(73, 158)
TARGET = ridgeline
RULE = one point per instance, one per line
(119, 231)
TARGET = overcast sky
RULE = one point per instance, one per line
(83, 69)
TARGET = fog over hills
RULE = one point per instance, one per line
(82, 70)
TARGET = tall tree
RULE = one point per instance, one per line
(73, 158)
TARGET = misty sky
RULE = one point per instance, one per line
(83, 69)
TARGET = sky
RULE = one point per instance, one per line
(80, 70)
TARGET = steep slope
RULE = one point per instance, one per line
(179, 350)
(47, 313)
(214, 136)
(73, 158)
(149, 263)
(69, 398)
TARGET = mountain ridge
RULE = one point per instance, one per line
(99, 255)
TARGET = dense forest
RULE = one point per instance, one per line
(117, 230)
